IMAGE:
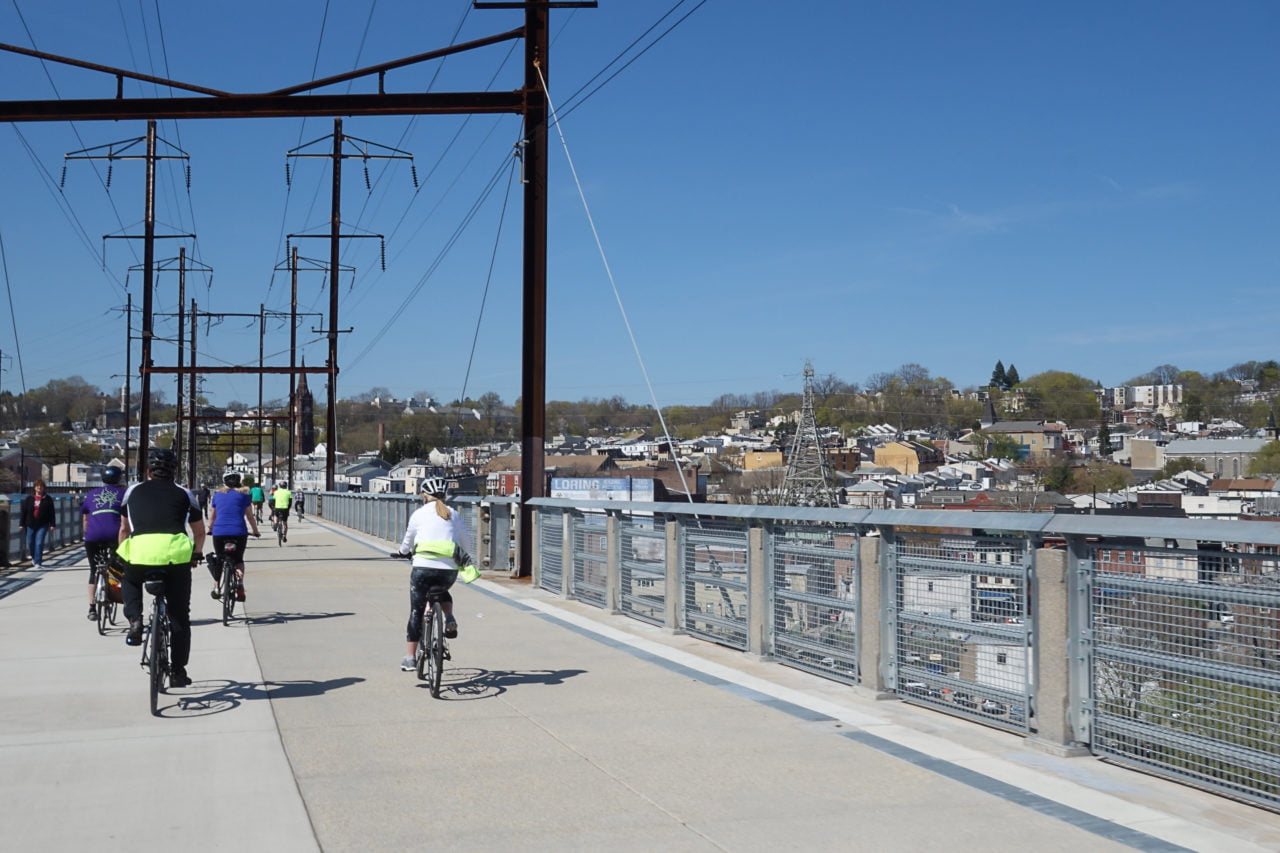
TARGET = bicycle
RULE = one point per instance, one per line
(230, 588)
(433, 648)
(155, 645)
(106, 595)
(280, 524)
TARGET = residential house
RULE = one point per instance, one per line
(1036, 439)
(908, 457)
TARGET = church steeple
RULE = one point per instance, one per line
(301, 409)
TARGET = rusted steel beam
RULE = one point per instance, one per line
(264, 106)
(233, 369)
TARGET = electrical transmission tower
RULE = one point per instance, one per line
(808, 480)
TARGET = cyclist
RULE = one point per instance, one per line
(256, 496)
(158, 514)
(100, 515)
(282, 499)
(230, 518)
(438, 542)
(299, 503)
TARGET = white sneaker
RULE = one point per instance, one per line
(407, 665)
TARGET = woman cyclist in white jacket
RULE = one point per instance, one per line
(438, 542)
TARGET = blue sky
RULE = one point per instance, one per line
(1088, 187)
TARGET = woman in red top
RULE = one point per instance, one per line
(37, 521)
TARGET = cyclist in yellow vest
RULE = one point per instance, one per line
(437, 539)
(281, 500)
(161, 528)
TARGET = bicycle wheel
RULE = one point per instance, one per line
(155, 660)
(228, 594)
(435, 651)
(420, 654)
(102, 601)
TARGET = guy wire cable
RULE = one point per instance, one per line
(613, 284)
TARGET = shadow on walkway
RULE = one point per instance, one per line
(470, 683)
(215, 697)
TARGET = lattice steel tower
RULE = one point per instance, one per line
(808, 481)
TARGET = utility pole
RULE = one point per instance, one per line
(366, 151)
(120, 151)
(294, 265)
(181, 265)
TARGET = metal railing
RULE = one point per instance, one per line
(1075, 630)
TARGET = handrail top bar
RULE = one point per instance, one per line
(1034, 525)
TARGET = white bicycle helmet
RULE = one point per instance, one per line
(434, 486)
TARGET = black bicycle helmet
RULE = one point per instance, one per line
(162, 463)
(232, 480)
(111, 475)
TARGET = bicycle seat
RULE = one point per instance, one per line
(155, 582)
(436, 592)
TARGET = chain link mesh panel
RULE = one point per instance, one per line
(714, 578)
(1185, 664)
(588, 535)
(815, 599)
(643, 566)
(551, 549)
(962, 642)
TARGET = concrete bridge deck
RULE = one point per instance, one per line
(560, 728)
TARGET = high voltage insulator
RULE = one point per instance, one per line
(288, 182)
(368, 186)
(109, 165)
(413, 173)
(188, 177)
(62, 182)
(382, 252)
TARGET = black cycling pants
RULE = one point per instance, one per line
(98, 551)
(177, 595)
(421, 582)
(219, 546)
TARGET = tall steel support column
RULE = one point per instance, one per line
(128, 376)
(335, 225)
(262, 338)
(179, 415)
(534, 318)
(294, 410)
(148, 271)
(191, 384)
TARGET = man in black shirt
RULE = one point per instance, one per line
(153, 535)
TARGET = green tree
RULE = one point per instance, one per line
(998, 376)
(1011, 377)
(55, 446)
(1104, 437)
(1266, 460)
(1059, 396)
(1098, 475)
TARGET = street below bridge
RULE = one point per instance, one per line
(560, 727)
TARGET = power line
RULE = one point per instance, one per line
(13, 317)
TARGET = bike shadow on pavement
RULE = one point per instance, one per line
(282, 618)
(468, 683)
(215, 696)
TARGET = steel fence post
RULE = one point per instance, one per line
(871, 612)
(672, 595)
(1050, 663)
(613, 562)
(566, 550)
(758, 596)
(535, 532)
